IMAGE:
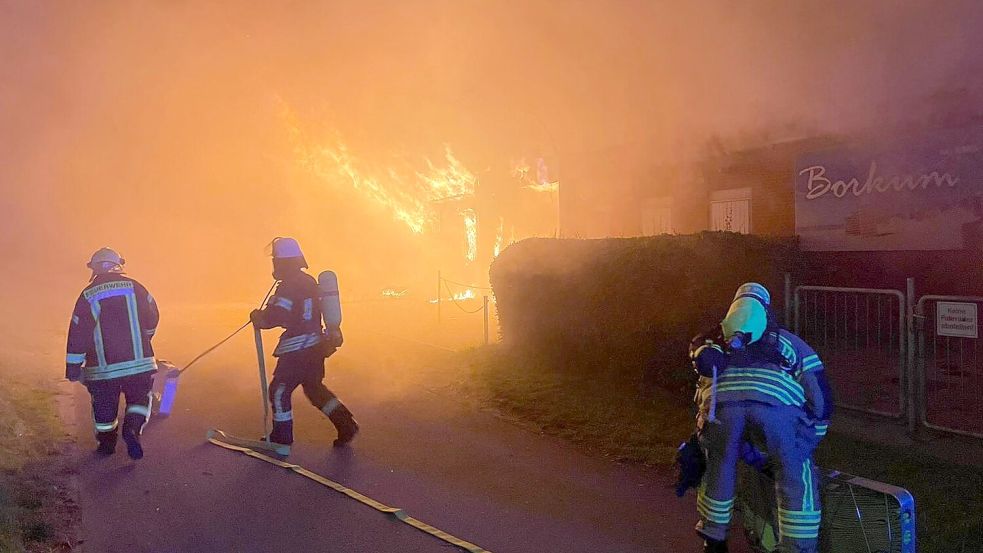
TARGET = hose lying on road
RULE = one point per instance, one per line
(394, 511)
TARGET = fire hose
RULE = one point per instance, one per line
(399, 514)
(396, 512)
(169, 392)
(230, 336)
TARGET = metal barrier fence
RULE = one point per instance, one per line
(859, 515)
(861, 336)
(949, 364)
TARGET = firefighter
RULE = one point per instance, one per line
(109, 350)
(772, 393)
(709, 360)
(303, 347)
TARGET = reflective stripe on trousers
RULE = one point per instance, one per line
(796, 490)
(107, 426)
(105, 402)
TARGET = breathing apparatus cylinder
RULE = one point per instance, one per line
(327, 283)
(745, 322)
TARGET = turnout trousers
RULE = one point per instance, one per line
(136, 390)
(777, 430)
(304, 368)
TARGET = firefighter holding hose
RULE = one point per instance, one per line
(297, 306)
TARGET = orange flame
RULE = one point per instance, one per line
(447, 182)
(468, 294)
(408, 195)
(522, 171)
(327, 161)
(393, 293)
(499, 236)
(471, 228)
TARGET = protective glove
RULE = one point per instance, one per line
(335, 337)
(690, 465)
(756, 459)
(73, 372)
(809, 432)
(256, 317)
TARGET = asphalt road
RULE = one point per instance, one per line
(445, 462)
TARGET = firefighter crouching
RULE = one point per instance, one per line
(303, 347)
(109, 350)
(772, 393)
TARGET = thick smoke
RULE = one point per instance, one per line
(159, 129)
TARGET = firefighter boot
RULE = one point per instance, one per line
(133, 447)
(107, 443)
(283, 432)
(343, 420)
(714, 546)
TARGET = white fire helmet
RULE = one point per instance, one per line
(287, 248)
(106, 260)
(754, 290)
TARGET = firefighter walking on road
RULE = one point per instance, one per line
(109, 350)
(772, 393)
(303, 347)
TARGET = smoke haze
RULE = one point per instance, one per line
(171, 130)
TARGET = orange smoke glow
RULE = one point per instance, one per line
(187, 135)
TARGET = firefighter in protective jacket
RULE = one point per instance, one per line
(109, 350)
(773, 394)
(295, 305)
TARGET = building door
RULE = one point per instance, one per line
(657, 216)
(730, 210)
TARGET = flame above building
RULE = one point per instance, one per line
(406, 192)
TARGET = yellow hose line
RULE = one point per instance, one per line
(394, 511)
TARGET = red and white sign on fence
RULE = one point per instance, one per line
(957, 319)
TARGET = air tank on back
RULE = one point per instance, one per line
(327, 282)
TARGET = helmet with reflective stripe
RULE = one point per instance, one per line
(754, 290)
(283, 249)
(106, 260)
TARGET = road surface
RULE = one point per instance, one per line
(445, 462)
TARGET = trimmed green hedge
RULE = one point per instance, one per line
(626, 308)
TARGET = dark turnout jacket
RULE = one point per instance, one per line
(295, 305)
(112, 325)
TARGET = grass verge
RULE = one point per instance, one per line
(609, 418)
(613, 419)
(37, 506)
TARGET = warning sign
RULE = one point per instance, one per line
(957, 319)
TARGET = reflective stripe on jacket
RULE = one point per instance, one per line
(295, 305)
(111, 329)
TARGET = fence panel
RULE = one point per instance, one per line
(950, 364)
(860, 335)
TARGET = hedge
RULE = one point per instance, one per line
(626, 308)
